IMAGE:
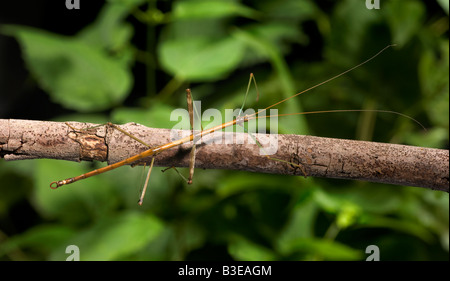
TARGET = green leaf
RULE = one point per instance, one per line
(244, 250)
(433, 138)
(113, 238)
(348, 207)
(128, 3)
(409, 227)
(433, 75)
(16, 183)
(299, 225)
(325, 249)
(350, 22)
(405, 18)
(444, 4)
(41, 239)
(202, 9)
(251, 182)
(379, 200)
(291, 10)
(110, 30)
(157, 116)
(348, 215)
(279, 34)
(75, 74)
(200, 58)
(94, 118)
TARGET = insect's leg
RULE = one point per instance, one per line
(109, 124)
(191, 164)
(191, 110)
(144, 189)
(252, 78)
(126, 133)
(131, 136)
(178, 172)
(298, 165)
(84, 129)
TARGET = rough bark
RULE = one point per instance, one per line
(320, 157)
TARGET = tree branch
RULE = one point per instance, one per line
(320, 157)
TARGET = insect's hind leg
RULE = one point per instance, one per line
(109, 124)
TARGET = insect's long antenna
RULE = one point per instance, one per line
(342, 110)
(252, 78)
(326, 81)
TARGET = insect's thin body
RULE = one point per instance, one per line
(149, 152)
(193, 137)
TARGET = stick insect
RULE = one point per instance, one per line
(194, 136)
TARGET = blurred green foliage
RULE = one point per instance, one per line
(214, 45)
